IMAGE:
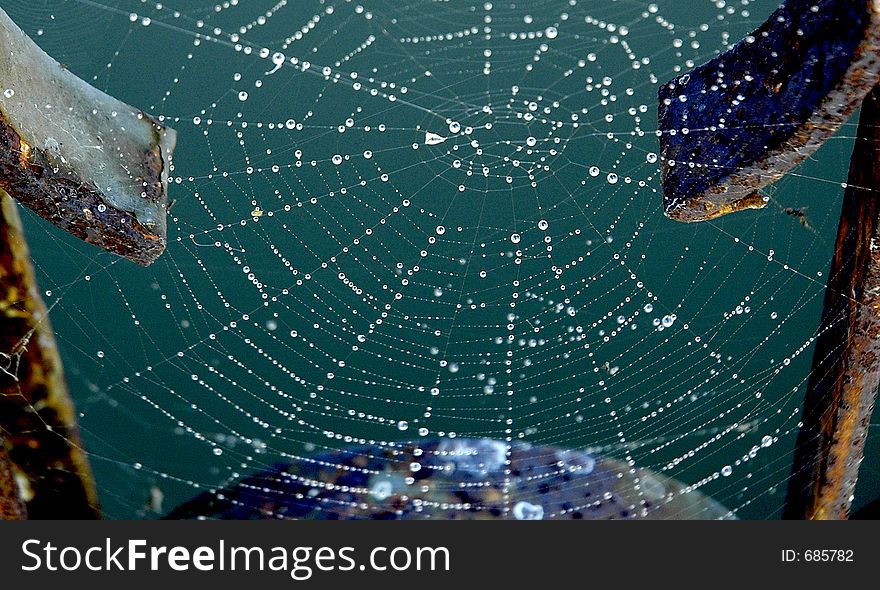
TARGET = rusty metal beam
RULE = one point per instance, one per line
(85, 161)
(744, 119)
(843, 381)
(37, 417)
(11, 505)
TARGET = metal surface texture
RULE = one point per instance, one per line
(744, 119)
(81, 159)
(842, 388)
(37, 418)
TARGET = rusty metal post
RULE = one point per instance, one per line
(846, 362)
(37, 417)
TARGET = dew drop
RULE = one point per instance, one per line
(528, 511)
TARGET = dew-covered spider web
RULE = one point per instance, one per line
(424, 220)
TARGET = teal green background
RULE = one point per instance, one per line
(170, 399)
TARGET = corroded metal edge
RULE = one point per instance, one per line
(726, 193)
(37, 417)
(107, 181)
(842, 388)
(57, 193)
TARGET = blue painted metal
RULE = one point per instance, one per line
(453, 479)
(744, 119)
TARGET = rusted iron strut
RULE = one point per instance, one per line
(739, 123)
(98, 169)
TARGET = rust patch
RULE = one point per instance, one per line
(24, 153)
(56, 193)
(842, 388)
(744, 119)
(11, 505)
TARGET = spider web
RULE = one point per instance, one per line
(430, 220)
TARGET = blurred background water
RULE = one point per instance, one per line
(430, 219)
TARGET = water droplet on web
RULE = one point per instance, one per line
(417, 319)
(382, 489)
(528, 511)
